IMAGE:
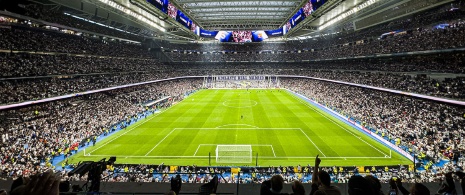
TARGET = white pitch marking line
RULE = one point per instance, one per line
(160, 142)
(132, 128)
(154, 156)
(187, 128)
(197, 150)
(272, 149)
(203, 145)
(271, 157)
(300, 100)
(312, 142)
(240, 106)
(238, 125)
(329, 157)
(262, 145)
(127, 131)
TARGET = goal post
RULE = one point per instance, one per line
(234, 154)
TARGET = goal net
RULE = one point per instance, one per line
(234, 154)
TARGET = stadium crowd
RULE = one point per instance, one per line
(136, 58)
(272, 180)
(32, 39)
(50, 13)
(28, 65)
(421, 22)
(33, 136)
(433, 138)
(418, 33)
(63, 74)
(421, 39)
(416, 83)
(430, 130)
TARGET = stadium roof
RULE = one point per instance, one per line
(243, 15)
(240, 14)
(342, 17)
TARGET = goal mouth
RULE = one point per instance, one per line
(233, 153)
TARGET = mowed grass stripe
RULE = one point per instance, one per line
(315, 126)
(199, 120)
(274, 109)
(292, 119)
(139, 141)
(348, 138)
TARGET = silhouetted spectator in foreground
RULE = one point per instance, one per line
(272, 186)
(360, 186)
(375, 184)
(321, 181)
(417, 188)
(45, 183)
(176, 183)
(210, 187)
(448, 185)
(298, 188)
(170, 193)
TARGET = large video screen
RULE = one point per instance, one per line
(304, 12)
(275, 33)
(160, 4)
(236, 36)
(240, 36)
(168, 8)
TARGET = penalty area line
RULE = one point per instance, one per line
(127, 131)
(272, 149)
(327, 157)
(265, 157)
(160, 142)
(132, 128)
(312, 142)
(152, 156)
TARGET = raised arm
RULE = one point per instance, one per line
(315, 169)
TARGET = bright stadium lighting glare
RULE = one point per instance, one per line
(133, 14)
(97, 23)
(348, 13)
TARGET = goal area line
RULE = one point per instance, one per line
(256, 145)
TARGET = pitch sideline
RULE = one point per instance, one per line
(332, 120)
(134, 127)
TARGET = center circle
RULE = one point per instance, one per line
(240, 103)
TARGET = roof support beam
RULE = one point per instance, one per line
(190, 7)
(208, 1)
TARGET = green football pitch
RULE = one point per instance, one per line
(279, 127)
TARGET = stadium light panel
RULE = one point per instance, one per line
(133, 14)
(97, 23)
(347, 13)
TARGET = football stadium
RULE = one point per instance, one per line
(238, 127)
(232, 97)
